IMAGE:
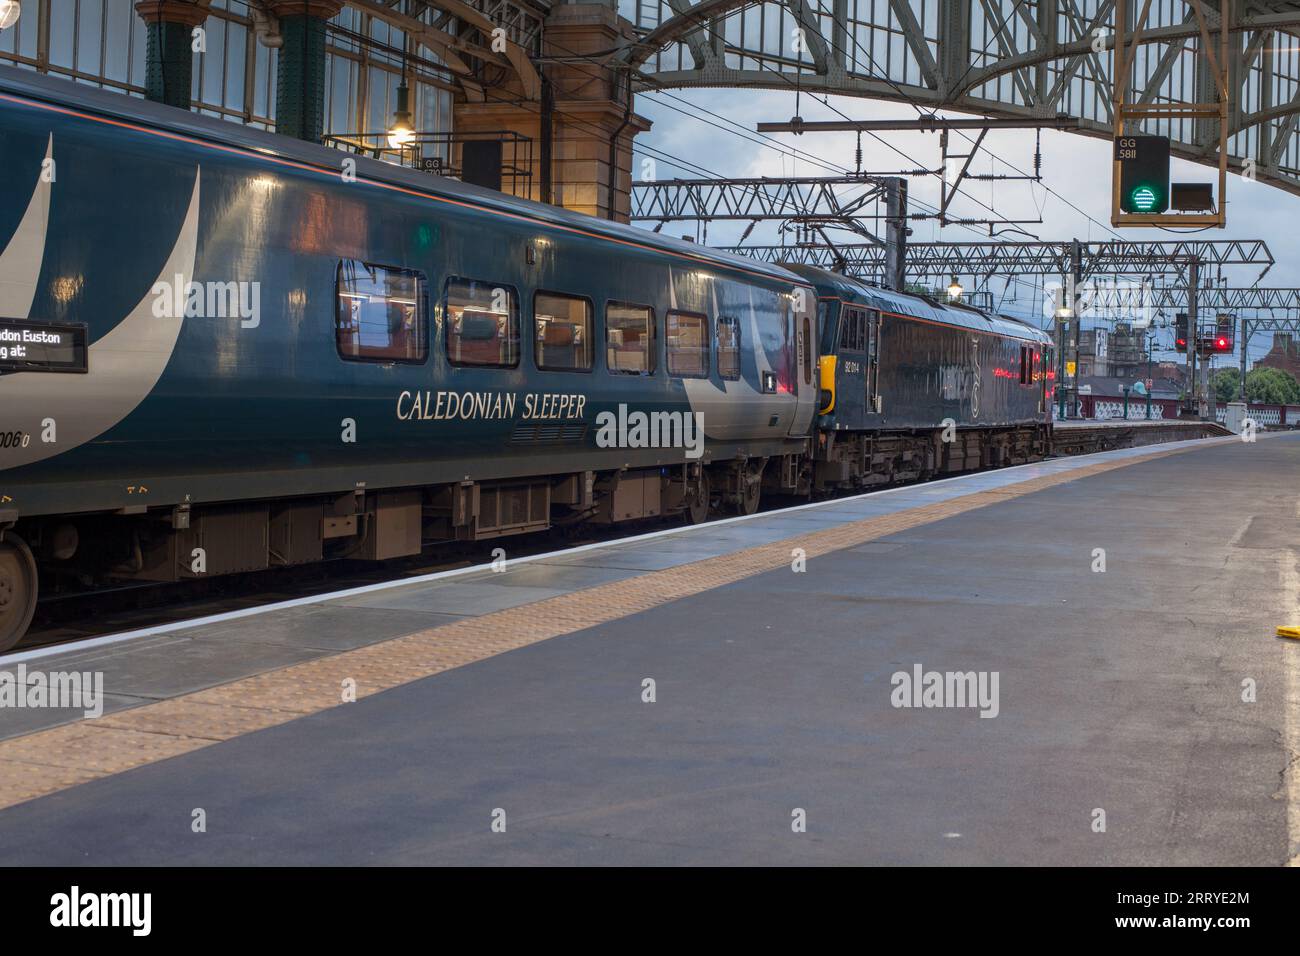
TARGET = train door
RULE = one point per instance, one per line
(1037, 378)
(851, 367)
(873, 362)
(804, 378)
(1048, 397)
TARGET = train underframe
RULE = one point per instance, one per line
(848, 460)
(204, 541)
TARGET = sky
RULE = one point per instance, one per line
(1076, 172)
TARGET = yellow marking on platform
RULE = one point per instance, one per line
(1288, 632)
(48, 761)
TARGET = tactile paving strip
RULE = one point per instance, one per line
(51, 760)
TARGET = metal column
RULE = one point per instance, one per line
(896, 232)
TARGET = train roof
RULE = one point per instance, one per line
(66, 93)
(905, 303)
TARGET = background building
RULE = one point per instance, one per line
(1285, 354)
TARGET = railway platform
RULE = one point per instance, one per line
(1083, 436)
(1062, 663)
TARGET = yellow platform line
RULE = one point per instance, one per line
(48, 761)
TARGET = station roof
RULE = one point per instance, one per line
(65, 93)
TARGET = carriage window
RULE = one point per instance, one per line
(853, 330)
(629, 339)
(482, 323)
(728, 347)
(381, 314)
(688, 345)
(1025, 352)
(563, 332)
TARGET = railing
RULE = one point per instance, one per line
(436, 153)
(1109, 407)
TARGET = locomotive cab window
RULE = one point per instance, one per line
(853, 330)
(825, 328)
(1025, 364)
(729, 347)
(688, 345)
(629, 339)
(482, 323)
(562, 337)
(381, 314)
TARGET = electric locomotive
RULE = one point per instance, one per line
(914, 388)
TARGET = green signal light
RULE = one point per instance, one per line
(1144, 198)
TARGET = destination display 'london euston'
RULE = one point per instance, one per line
(33, 346)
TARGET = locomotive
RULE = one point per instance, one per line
(223, 350)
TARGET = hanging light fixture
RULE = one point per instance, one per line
(1064, 309)
(401, 132)
(954, 290)
(10, 10)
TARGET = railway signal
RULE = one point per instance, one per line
(1221, 341)
(1180, 332)
(1143, 173)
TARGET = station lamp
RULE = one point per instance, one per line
(954, 290)
(401, 132)
(10, 10)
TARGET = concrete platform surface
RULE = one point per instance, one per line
(1143, 714)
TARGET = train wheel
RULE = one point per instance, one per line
(697, 508)
(17, 590)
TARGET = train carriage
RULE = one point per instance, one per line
(273, 353)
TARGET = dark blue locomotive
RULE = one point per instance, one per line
(222, 350)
